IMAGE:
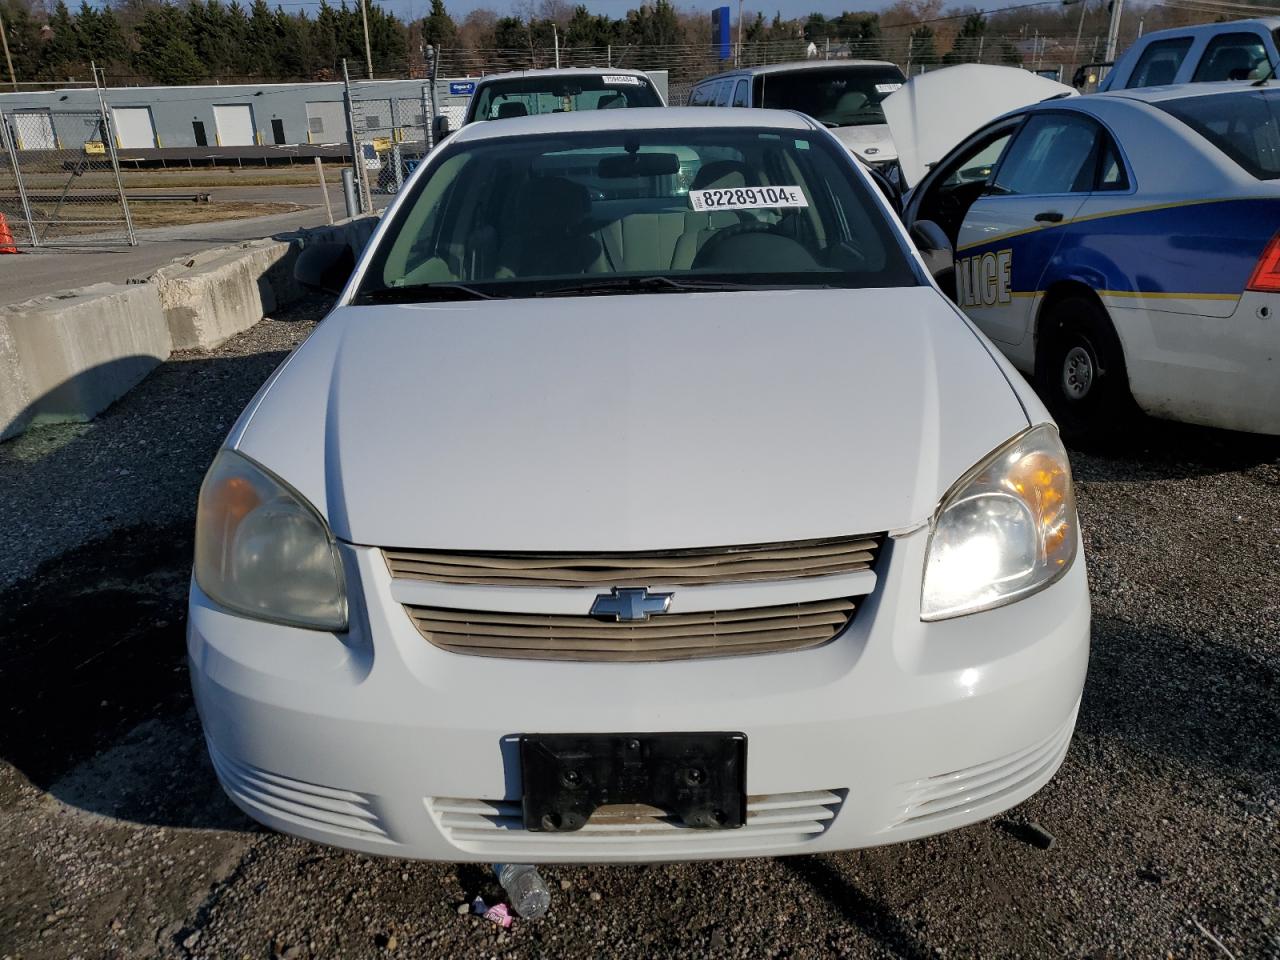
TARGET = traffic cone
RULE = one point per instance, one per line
(6, 237)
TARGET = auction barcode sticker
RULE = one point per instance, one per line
(624, 78)
(747, 198)
(887, 87)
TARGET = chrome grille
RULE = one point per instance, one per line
(776, 561)
(719, 633)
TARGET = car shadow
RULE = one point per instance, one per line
(874, 917)
(1145, 448)
(94, 692)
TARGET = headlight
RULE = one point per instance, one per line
(263, 551)
(1005, 530)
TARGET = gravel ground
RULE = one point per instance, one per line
(115, 841)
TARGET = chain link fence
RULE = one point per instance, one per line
(392, 136)
(60, 179)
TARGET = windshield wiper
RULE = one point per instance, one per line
(424, 293)
(654, 284)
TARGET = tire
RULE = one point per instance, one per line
(1080, 372)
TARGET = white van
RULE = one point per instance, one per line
(842, 95)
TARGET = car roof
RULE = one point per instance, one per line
(798, 65)
(633, 118)
(1176, 91)
(1261, 24)
(561, 72)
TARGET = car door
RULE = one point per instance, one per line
(1008, 235)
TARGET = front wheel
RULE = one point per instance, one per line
(1080, 372)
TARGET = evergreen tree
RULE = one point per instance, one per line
(164, 54)
(968, 41)
(438, 29)
(923, 51)
(324, 42)
(23, 34)
(62, 53)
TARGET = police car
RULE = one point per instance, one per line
(1124, 245)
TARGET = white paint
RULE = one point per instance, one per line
(235, 125)
(134, 129)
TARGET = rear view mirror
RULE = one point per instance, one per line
(939, 256)
(440, 128)
(324, 266)
(623, 165)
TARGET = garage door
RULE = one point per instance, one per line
(34, 130)
(326, 122)
(134, 129)
(235, 125)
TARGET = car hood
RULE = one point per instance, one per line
(870, 141)
(632, 422)
(932, 112)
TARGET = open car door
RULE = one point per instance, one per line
(934, 111)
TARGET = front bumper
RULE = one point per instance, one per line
(380, 742)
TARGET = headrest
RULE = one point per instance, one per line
(722, 175)
(551, 202)
(512, 109)
(850, 102)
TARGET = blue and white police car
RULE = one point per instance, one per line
(1123, 247)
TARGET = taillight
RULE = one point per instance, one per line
(1266, 275)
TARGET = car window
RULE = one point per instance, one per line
(740, 93)
(1111, 172)
(722, 93)
(1245, 125)
(527, 96)
(835, 96)
(1159, 62)
(977, 164)
(517, 216)
(698, 96)
(1052, 153)
(1233, 56)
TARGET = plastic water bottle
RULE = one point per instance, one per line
(525, 888)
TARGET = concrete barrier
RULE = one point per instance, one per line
(210, 297)
(68, 357)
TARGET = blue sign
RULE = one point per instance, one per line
(467, 88)
(720, 32)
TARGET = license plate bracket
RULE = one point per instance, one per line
(698, 777)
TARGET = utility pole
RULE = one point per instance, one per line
(4, 42)
(1113, 31)
(1075, 51)
(555, 38)
(368, 53)
(738, 51)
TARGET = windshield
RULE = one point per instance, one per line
(836, 96)
(592, 211)
(525, 96)
(1244, 125)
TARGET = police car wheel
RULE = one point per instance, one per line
(1080, 370)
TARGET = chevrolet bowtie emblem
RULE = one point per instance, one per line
(630, 604)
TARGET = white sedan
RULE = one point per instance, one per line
(612, 517)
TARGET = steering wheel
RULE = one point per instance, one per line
(735, 230)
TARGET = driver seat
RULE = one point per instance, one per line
(698, 227)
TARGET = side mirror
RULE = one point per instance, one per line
(939, 256)
(324, 266)
(439, 128)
